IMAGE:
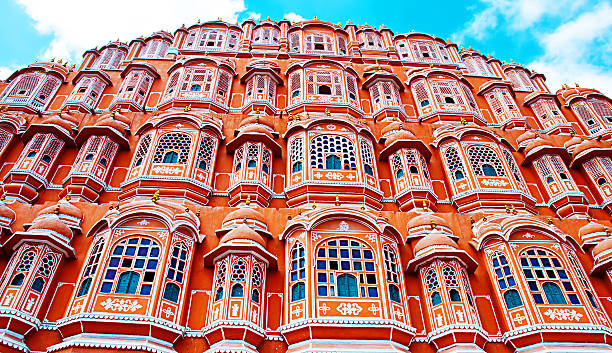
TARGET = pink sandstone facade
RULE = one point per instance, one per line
(302, 187)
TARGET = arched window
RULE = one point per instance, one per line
(173, 148)
(237, 291)
(176, 271)
(128, 283)
(23, 268)
(436, 299)
(347, 286)
(512, 299)
(298, 291)
(296, 155)
(366, 157)
(220, 281)
(394, 293)
(484, 160)
(143, 148)
(324, 83)
(297, 271)
(451, 283)
(255, 296)
(454, 296)
(38, 284)
(134, 262)
(350, 259)
(171, 292)
(454, 163)
(514, 169)
(323, 147)
(391, 265)
(546, 276)
(91, 267)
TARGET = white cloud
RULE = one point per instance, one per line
(256, 16)
(293, 17)
(517, 14)
(579, 51)
(6, 71)
(96, 23)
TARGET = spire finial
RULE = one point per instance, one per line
(155, 197)
(337, 200)
(248, 200)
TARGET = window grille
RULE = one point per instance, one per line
(173, 142)
(297, 272)
(26, 261)
(592, 168)
(424, 168)
(316, 43)
(342, 46)
(454, 163)
(232, 42)
(257, 276)
(316, 79)
(239, 270)
(221, 272)
(514, 169)
(266, 158)
(480, 157)
(91, 267)
(176, 270)
(25, 85)
(366, 157)
(432, 284)
(294, 41)
(324, 146)
(546, 277)
(224, 84)
(206, 151)
(238, 159)
(420, 93)
(211, 40)
(396, 162)
(450, 277)
(131, 267)
(172, 83)
(143, 148)
(584, 113)
(582, 278)
(390, 264)
(45, 268)
(5, 137)
(346, 268)
(503, 271)
(602, 108)
(295, 84)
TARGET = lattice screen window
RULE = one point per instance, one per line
(324, 83)
(46, 267)
(403, 49)
(91, 267)
(332, 152)
(266, 35)
(266, 161)
(252, 155)
(584, 113)
(424, 168)
(485, 162)
(432, 285)
(419, 90)
(295, 84)
(220, 279)
(547, 279)
(297, 154)
(172, 83)
(131, 267)
(294, 43)
(602, 108)
(224, 85)
(454, 163)
(520, 80)
(366, 157)
(351, 85)
(452, 284)
(346, 268)
(211, 40)
(391, 271)
(238, 276)
(424, 51)
(5, 138)
(198, 79)
(318, 43)
(468, 288)
(447, 92)
(143, 148)
(25, 85)
(176, 272)
(582, 278)
(191, 37)
(443, 52)
(514, 169)
(232, 42)
(297, 272)
(173, 148)
(342, 45)
(206, 150)
(27, 258)
(369, 40)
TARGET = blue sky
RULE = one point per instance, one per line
(568, 41)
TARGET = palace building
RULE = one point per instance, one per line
(302, 187)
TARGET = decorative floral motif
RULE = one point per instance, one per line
(121, 305)
(349, 308)
(494, 182)
(343, 226)
(563, 314)
(167, 170)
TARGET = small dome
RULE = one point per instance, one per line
(243, 233)
(116, 116)
(51, 223)
(257, 129)
(6, 213)
(603, 246)
(69, 118)
(586, 145)
(115, 124)
(426, 219)
(65, 208)
(526, 136)
(256, 119)
(572, 143)
(390, 128)
(537, 142)
(592, 231)
(56, 120)
(432, 240)
(242, 213)
(399, 135)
